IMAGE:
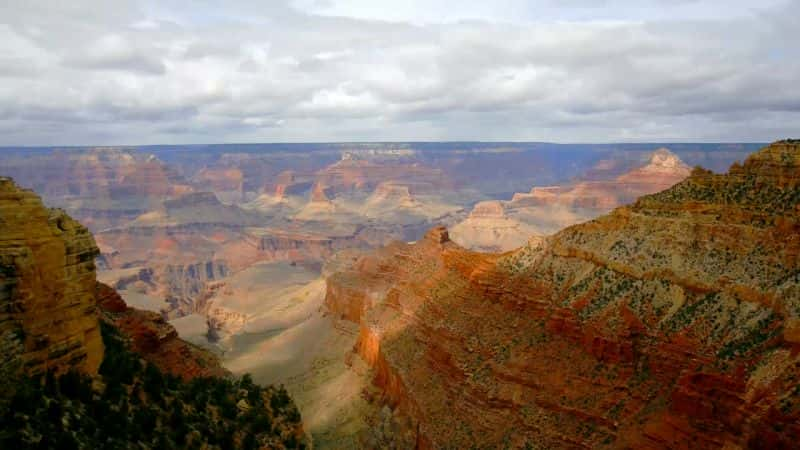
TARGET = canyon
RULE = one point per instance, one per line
(667, 323)
(83, 369)
(498, 226)
(263, 254)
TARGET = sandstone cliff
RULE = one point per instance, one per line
(670, 323)
(50, 297)
(47, 320)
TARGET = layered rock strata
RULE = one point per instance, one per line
(670, 323)
(47, 294)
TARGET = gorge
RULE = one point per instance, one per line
(660, 316)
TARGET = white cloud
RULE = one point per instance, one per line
(169, 72)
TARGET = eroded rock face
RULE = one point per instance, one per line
(507, 225)
(662, 170)
(321, 193)
(155, 339)
(289, 183)
(671, 323)
(47, 292)
(351, 174)
(50, 298)
(100, 187)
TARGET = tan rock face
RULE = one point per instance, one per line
(671, 323)
(663, 170)
(494, 209)
(321, 193)
(47, 272)
(507, 225)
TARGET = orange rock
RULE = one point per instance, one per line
(660, 325)
(47, 273)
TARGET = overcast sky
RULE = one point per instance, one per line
(146, 72)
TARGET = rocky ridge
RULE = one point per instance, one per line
(669, 323)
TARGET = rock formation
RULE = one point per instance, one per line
(662, 170)
(81, 369)
(669, 323)
(321, 193)
(488, 228)
(503, 226)
(227, 183)
(351, 174)
(155, 339)
(48, 320)
(101, 187)
(289, 183)
(394, 194)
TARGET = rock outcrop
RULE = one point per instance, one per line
(321, 193)
(489, 228)
(507, 225)
(52, 304)
(670, 323)
(47, 319)
(155, 339)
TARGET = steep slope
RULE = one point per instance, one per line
(78, 376)
(47, 319)
(155, 339)
(670, 323)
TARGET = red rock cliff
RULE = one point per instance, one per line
(155, 339)
(671, 323)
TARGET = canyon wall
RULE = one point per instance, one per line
(151, 336)
(52, 305)
(669, 323)
(507, 225)
(48, 319)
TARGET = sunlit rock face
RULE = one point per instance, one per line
(507, 225)
(490, 228)
(669, 323)
(47, 292)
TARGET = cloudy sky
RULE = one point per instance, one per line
(145, 72)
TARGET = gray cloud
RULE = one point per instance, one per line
(172, 72)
